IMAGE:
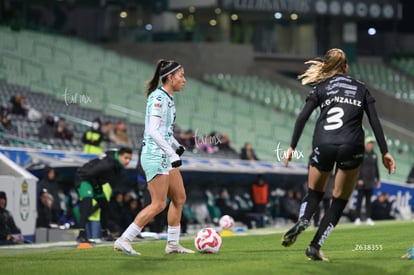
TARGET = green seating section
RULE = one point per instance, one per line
(278, 126)
(404, 64)
(70, 69)
(261, 91)
(246, 108)
(204, 109)
(80, 73)
(384, 78)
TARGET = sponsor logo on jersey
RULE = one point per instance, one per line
(350, 93)
(164, 163)
(341, 85)
(332, 92)
(340, 78)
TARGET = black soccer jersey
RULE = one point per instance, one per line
(342, 101)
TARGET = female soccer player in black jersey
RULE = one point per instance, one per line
(338, 139)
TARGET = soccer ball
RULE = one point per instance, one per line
(226, 222)
(208, 240)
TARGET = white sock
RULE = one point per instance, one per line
(131, 232)
(173, 233)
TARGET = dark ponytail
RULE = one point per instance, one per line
(164, 68)
(153, 83)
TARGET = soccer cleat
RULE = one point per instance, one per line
(357, 221)
(370, 222)
(173, 247)
(124, 245)
(290, 236)
(315, 254)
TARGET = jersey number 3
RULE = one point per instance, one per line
(334, 119)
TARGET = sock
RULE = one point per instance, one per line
(329, 221)
(131, 232)
(173, 234)
(310, 204)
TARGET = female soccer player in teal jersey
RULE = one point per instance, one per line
(159, 160)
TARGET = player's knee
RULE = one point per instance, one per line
(342, 194)
(158, 206)
(179, 200)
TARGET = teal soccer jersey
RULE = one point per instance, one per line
(160, 104)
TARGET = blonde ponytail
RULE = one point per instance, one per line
(319, 70)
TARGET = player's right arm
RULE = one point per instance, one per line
(310, 105)
(156, 111)
(154, 124)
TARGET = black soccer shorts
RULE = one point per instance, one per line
(346, 156)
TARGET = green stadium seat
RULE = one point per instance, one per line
(203, 125)
(43, 52)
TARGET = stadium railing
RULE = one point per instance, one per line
(14, 141)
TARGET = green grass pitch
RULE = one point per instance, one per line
(351, 250)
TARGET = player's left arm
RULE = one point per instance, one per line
(175, 142)
(376, 127)
(387, 159)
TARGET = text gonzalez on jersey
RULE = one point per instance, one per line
(350, 91)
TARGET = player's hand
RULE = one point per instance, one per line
(389, 163)
(287, 156)
(180, 150)
(175, 161)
